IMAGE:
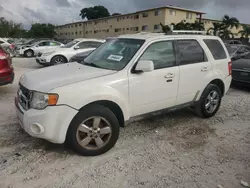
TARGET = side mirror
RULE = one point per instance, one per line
(76, 47)
(144, 66)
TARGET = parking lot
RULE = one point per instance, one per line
(168, 150)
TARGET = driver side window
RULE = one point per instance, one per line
(161, 53)
(83, 45)
(43, 43)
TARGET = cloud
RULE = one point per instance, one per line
(65, 11)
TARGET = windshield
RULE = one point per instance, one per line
(114, 54)
(70, 44)
(232, 49)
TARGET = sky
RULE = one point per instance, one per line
(65, 11)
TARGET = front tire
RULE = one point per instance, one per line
(210, 101)
(58, 60)
(93, 131)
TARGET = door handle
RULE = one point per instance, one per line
(169, 75)
(204, 69)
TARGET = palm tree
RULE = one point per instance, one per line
(182, 26)
(245, 32)
(217, 27)
(226, 34)
(165, 28)
(230, 22)
(197, 26)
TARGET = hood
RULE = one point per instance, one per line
(46, 79)
(241, 64)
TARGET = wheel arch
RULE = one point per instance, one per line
(114, 107)
(60, 55)
(220, 84)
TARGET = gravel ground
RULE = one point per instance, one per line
(168, 150)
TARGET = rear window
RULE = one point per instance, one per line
(216, 49)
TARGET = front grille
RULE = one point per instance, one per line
(241, 75)
(24, 97)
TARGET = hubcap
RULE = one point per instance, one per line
(59, 60)
(212, 101)
(94, 133)
(29, 54)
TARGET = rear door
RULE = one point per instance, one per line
(195, 69)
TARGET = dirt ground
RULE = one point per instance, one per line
(168, 150)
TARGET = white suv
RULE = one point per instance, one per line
(65, 53)
(86, 104)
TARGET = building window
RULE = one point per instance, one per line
(132, 17)
(156, 27)
(95, 31)
(145, 14)
(72, 26)
(127, 29)
(117, 30)
(144, 28)
(86, 32)
(80, 32)
(136, 16)
(76, 25)
(189, 15)
(123, 18)
(80, 24)
(72, 33)
(118, 19)
(76, 32)
(172, 12)
(157, 12)
(134, 28)
(127, 17)
(123, 29)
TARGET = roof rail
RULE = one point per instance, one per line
(190, 32)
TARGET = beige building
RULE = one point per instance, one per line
(208, 23)
(141, 21)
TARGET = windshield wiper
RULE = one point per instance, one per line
(91, 64)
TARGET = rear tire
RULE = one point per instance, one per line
(93, 131)
(210, 101)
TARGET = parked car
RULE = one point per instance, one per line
(87, 103)
(80, 56)
(38, 47)
(238, 51)
(64, 54)
(6, 69)
(233, 42)
(241, 71)
(7, 45)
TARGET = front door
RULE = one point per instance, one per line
(195, 70)
(156, 90)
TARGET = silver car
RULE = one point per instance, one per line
(39, 47)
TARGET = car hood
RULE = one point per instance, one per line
(243, 64)
(46, 79)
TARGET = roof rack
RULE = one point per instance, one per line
(190, 32)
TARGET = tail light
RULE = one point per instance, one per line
(12, 46)
(2, 56)
(230, 68)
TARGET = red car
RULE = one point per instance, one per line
(6, 69)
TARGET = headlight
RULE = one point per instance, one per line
(42, 100)
(48, 53)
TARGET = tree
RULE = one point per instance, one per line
(116, 14)
(197, 26)
(245, 32)
(38, 30)
(94, 12)
(217, 27)
(230, 22)
(182, 25)
(226, 34)
(165, 28)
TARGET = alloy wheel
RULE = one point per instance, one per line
(212, 101)
(94, 133)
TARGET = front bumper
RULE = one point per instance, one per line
(50, 124)
(42, 61)
(7, 79)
